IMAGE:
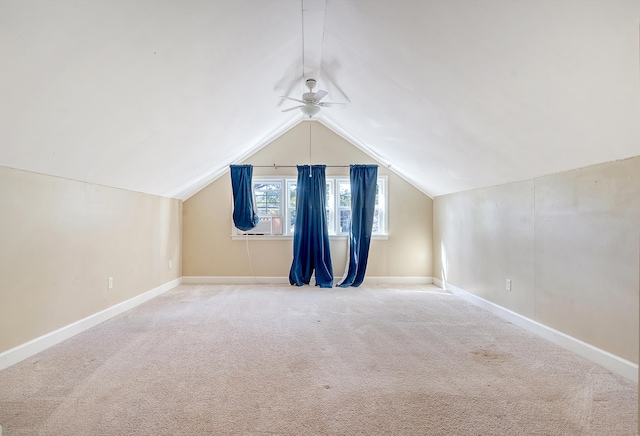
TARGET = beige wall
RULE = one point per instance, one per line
(60, 241)
(568, 242)
(208, 249)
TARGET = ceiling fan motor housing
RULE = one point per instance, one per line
(309, 97)
(311, 83)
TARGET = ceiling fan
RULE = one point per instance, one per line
(311, 103)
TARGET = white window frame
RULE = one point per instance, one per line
(333, 209)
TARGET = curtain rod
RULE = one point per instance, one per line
(296, 166)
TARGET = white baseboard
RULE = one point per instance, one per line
(399, 280)
(233, 280)
(225, 280)
(28, 349)
(613, 363)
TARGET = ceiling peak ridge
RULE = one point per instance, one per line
(313, 24)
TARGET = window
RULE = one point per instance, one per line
(291, 206)
(267, 196)
(344, 206)
(275, 203)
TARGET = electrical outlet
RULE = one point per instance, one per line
(110, 282)
(169, 264)
(508, 284)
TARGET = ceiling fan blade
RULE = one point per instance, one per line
(292, 108)
(320, 95)
(331, 104)
(293, 99)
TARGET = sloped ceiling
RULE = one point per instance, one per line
(161, 96)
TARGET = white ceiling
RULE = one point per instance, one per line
(161, 96)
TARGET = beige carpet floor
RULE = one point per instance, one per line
(281, 360)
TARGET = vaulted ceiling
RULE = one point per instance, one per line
(161, 96)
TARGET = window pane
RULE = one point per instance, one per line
(345, 220)
(376, 221)
(345, 194)
(292, 195)
(292, 220)
(330, 226)
(273, 203)
(330, 218)
(330, 204)
(267, 196)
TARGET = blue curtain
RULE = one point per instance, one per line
(364, 179)
(311, 249)
(244, 216)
